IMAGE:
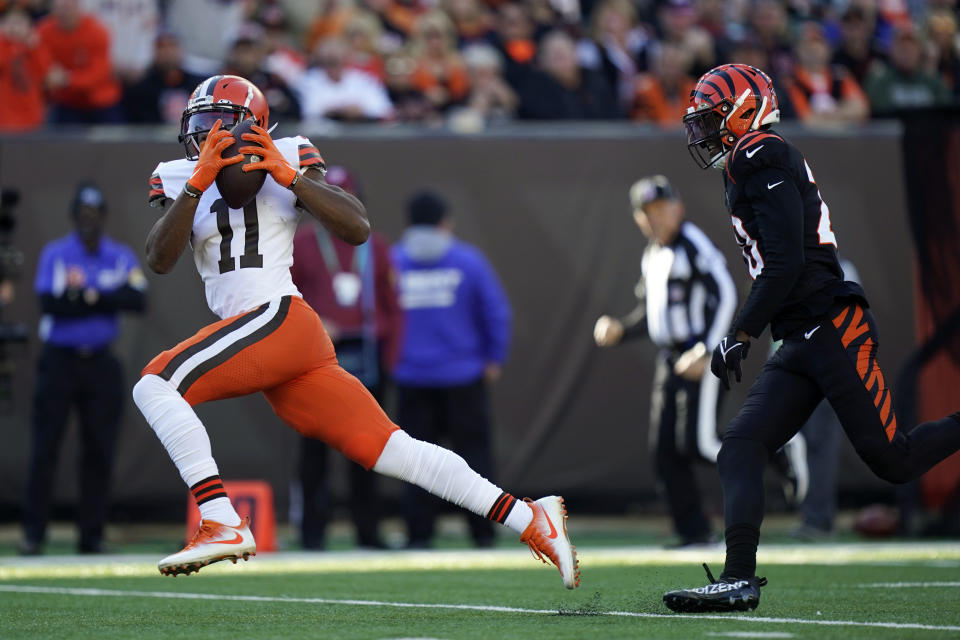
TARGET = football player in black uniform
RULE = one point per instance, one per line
(829, 336)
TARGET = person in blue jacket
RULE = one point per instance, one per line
(84, 281)
(456, 335)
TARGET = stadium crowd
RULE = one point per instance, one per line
(469, 62)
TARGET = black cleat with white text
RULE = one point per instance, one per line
(729, 594)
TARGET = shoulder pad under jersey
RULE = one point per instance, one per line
(755, 151)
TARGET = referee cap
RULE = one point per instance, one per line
(646, 190)
(88, 195)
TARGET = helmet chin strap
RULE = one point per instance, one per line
(270, 130)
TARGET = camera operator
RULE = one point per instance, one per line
(83, 281)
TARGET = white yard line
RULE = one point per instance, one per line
(872, 554)
(10, 588)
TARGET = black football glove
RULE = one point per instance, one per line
(727, 357)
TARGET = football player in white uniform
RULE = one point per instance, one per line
(269, 340)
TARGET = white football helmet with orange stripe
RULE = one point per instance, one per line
(230, 99)
(728, 102)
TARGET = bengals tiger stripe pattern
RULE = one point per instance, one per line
(854, 331)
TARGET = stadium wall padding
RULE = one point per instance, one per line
(550, 212)
(932, 181)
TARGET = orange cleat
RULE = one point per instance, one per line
(211, 543)
(546, 535)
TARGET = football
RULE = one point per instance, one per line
(236, 186)
(877, 521)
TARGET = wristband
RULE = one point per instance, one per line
(296, 179)
(192, 191)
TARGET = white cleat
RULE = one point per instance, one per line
(546, 535)
(211, 543)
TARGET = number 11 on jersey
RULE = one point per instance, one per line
(250, 258)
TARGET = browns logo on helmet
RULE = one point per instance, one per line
(728, 102)
(227, 98)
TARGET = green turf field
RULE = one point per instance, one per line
(820, 591)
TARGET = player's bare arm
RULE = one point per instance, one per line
(341, 213)
(170, 234)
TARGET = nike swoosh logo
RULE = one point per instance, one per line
(553, 530)
(775, 184)
(753, 152)
(237, 540)
(807, 334)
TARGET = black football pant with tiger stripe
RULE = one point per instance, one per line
(834, 357)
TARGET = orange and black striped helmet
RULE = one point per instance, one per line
(230, 99)
(727, 102)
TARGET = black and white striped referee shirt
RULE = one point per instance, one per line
(686, 294)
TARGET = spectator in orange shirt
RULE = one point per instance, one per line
(24, 64)
(516, 39)
(396, 19)
(439, 72)
(331, 20)
(661, 96)
(821, 93)
(83, 88)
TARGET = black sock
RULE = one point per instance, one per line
(742, 542)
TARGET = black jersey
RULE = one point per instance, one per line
(783, 228)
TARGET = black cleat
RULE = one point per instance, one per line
(728, 594)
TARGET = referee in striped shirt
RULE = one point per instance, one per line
(686, 301)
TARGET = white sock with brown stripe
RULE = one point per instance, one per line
(445, 474)
(184, 437)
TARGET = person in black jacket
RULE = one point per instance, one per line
(161, 94)
(247, 58)
(829, 336)
(562, 89)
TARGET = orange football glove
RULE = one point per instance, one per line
(210, 161)
(273, 161)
